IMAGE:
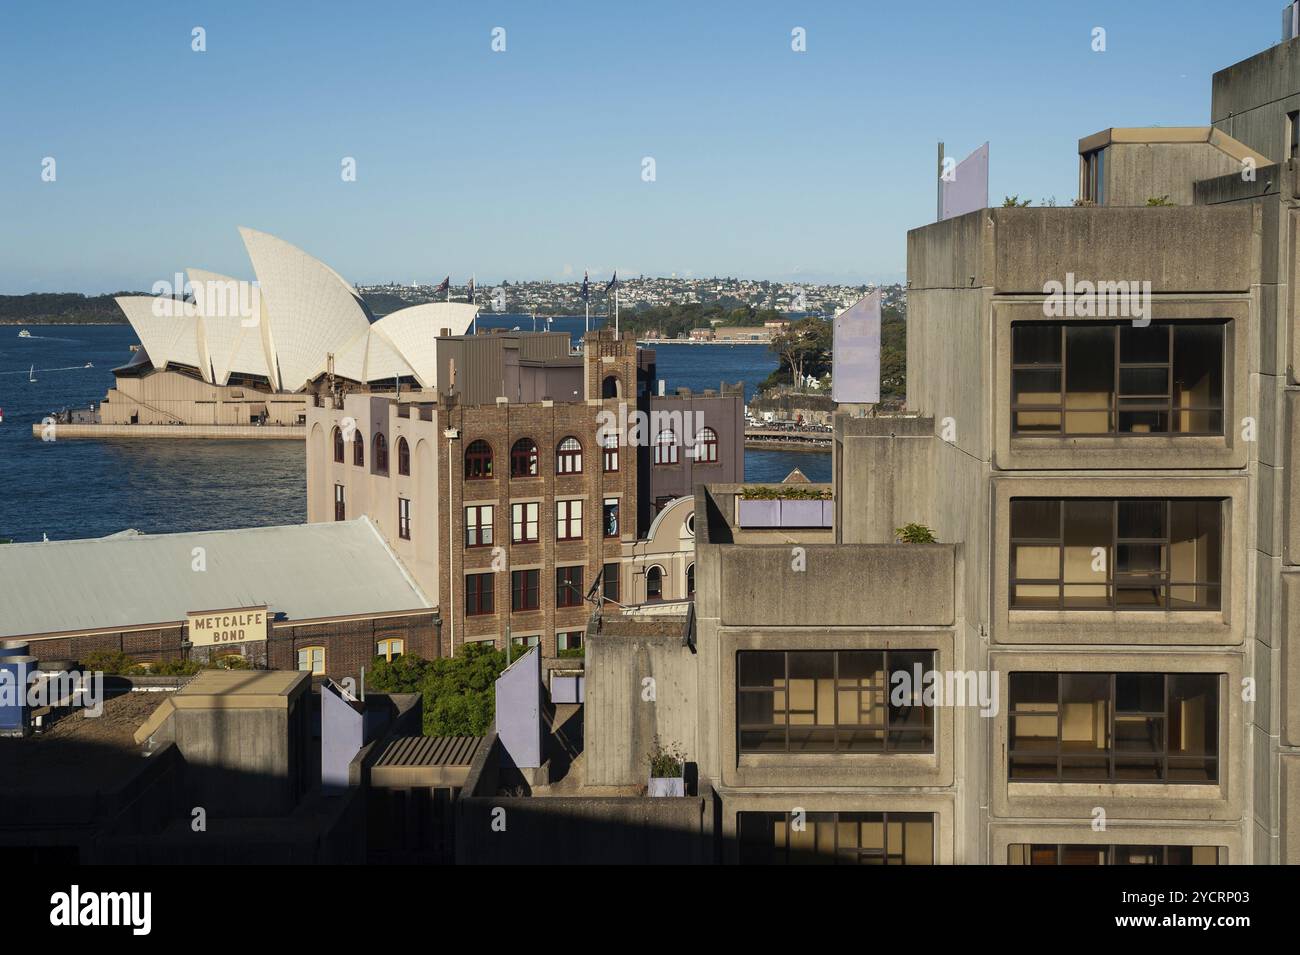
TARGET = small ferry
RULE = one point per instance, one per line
(24, 334)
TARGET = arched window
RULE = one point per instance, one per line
(706, 446)
(609, 454)
(381, 453)
(478, 461)
(568, 456)
(666, 448)
(610, 387)
(654, 583)
(338, 445)
(403, 457)
(523, 459)
(690, 579)
(359, 450)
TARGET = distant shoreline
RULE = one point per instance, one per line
(49, 321)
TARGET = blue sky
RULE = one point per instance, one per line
(528, 163)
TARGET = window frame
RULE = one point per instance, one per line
(384, 647)
(523, 585)
(566, 519)
(359, 449)
(1113, 752)
(340, 502)
(569, 586)
(478, 461)
(403, 457)
(764, 851)
(927, 726)
(665, 451)
(525, 459)
(609, 455)
(705, 449)
(479, 526)
(1119, 403)
(312, 651)
(520, 522)
(1113, 581)
(658, 572)
(1109, 852)
(607, 577)
(568, 456)
(379, 448)
(480, 595)
(340, 446)
(404, 518)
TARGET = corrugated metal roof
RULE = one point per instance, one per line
(430, 751)
(304, 571)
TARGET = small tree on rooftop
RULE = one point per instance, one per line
(1014, 202)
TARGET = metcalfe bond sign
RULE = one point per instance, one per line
(209, 628)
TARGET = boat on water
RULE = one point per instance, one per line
(24, 334)
(31, 374)
(89, 364)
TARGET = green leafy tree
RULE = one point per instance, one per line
(1014, 202)
(803, 349)
(459, 692)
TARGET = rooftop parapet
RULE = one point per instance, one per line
(798, 582)
(1180, 249)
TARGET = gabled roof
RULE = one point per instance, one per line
(304, 571)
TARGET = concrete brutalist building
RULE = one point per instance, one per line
(1111, 486)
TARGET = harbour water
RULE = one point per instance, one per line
(89, 488)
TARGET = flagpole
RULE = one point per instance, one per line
(472, 284)
(616, 335)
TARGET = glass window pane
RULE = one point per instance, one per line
(1037, 387)
(1036, 343)
(1144, 344)
(1142, 519)
(1035, 518)
(1198, 365)
(760, 668)
(1147, 383)
(1089, 378)
(1194, 714)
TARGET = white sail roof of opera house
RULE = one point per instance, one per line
(285, 326)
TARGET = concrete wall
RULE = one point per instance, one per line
(1136, 172)
(623, 713)
(1250, 99)
(495, 829)
(883, 469)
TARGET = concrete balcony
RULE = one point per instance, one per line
(787, 577)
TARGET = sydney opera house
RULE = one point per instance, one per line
(234, 352)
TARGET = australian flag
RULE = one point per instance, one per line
(585, 292)
(471, 290)
(443, 286)
(613, 283)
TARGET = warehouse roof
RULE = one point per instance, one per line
(303, 571)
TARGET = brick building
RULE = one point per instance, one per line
(327, 598)
(510, 511)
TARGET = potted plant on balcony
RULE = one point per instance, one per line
(667, 764)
